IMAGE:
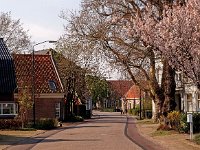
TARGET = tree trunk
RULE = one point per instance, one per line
(156, 113)
(169, 87)
(156, 91)
(22, 118)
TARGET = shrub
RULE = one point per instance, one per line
(196, 122)
(75, 118)
(134, 111)
(174, 118)
(10, 124)
(185, 126)
(107, 109)
(163, 127)
(79, 118)
(197, 139)
(46, 123)
(130, 111)
(148, 114)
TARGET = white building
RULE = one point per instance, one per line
(187, 96)
(188, 93)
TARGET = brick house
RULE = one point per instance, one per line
(49, 95)
(118, 89)
(73, 80)
(8, 108)
(132, 98)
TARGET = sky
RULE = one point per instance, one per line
(40, 17)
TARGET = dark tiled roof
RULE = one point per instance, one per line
(7, 73)
(121, 87)
(45, 72)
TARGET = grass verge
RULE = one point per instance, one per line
(197, 139)
(162, 133)
(145, 121)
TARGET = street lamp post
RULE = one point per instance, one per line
(140, 106)
(33, 76)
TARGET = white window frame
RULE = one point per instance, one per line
(198, 100)
(189, 102)
(15, 109)
(57, 110)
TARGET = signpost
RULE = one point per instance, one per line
(189, 119)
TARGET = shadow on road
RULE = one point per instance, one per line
(98, 118)
(75, 127)
(69, 140)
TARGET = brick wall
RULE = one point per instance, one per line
(45, 108)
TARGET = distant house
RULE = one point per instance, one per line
(131, 98)
(118, 89)
(48, 89)
(8, 108)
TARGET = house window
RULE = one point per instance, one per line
(52, 85)
(189, 102)
(159, 74)
(178, 76)
(57, 110)
(198, 100)
(8, 109)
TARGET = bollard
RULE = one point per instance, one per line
(189, 119)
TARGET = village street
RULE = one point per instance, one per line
(106, 131)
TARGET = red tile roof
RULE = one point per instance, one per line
(121, 87)
(45, 71)
(133, 93)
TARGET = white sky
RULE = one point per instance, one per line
(40, 17)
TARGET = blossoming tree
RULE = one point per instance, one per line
(176, 36)
(108, 29)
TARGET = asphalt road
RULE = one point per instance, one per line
(106, 131)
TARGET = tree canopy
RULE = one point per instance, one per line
(14, 35)
(176, 36)
(109, 29)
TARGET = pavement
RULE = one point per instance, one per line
(108, 131)
(134, 135)
(104, 132)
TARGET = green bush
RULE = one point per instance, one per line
(185, 126)
(75, 119)
(196, 122)
(107, 110)
(148, 114)
(80, 110)
(130, 111)
(197, 139)
(134, 111)
(46, 123)
(10, 124)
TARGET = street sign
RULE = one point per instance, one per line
(189, 117)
